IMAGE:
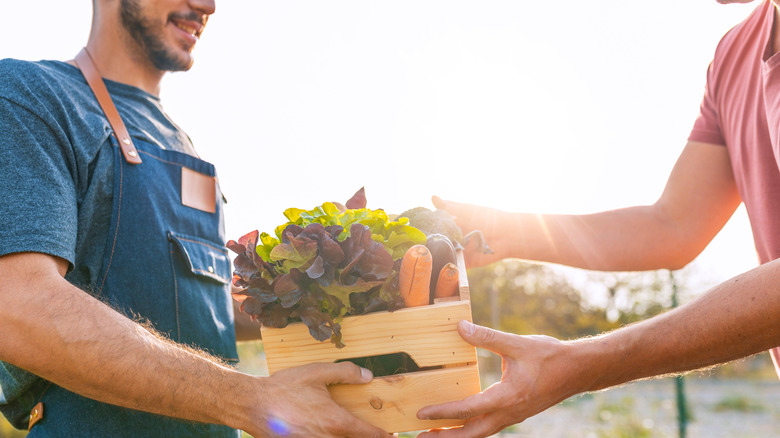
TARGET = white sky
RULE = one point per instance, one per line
(565, 106)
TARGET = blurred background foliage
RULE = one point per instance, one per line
(529, 298)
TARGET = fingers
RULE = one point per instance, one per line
(489, 339)
(477, 428)
(439, 203)
(316, 414)
(455, 208)
(470, 216)
(487, 401)
(481, 427)
(348, 373)
(335, 421)
(352, 427)
(464, 409)
(487, 413)
(361, 429)
(344, 372)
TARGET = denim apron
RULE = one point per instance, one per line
(164, 263)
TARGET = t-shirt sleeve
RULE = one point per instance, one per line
(706, 128)
(38, 201)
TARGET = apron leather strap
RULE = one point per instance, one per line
(36, 415)
(95, 82)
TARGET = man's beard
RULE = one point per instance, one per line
(148, 37)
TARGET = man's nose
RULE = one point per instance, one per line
(205, 6)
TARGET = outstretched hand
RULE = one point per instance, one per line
(296, 403)
(535, 377)
(489, 221)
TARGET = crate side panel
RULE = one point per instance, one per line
(427, 333)
(392, 402)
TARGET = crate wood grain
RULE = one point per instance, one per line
(428, 334)
(391, 402)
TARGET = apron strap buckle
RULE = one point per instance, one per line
(36, 415)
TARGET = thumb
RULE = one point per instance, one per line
(344, 372)
(487, 338)
(451, 206)
(439, 203)
(457, 209)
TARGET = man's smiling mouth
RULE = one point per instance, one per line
(189, 27)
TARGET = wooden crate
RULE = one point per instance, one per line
(428, 334)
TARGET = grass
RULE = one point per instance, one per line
(627, 428)
(738, 403)
(609, 409)
(620, 421)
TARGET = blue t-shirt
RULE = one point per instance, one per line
(56, 174)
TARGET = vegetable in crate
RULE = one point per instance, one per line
(441, 222)
(322, 265)
(447, 282)
(444, 237)
(443, 253)
(415, 276)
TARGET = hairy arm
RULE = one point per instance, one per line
(733, 320)
(64, 335)
(699, 198)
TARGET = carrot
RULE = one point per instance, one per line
(447, 284)
(415, 276)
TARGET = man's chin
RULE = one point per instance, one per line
(171, 62)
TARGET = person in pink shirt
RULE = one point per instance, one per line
(732, 156)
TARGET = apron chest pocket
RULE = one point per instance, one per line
(201, 295)
(202, 257)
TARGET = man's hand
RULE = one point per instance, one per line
(487, 220)
(535, 377)
(296, 403)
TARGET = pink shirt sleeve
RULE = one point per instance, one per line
(706, 129)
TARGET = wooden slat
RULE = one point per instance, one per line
(428, 334)
(465, 292)
(392, 402)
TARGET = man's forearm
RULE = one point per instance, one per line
(698, 200)
(632, 239)
(77, 342)
(629, 239)
(733, 320)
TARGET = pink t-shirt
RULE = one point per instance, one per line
(741, 110)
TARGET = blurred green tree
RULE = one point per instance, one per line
(531, 298)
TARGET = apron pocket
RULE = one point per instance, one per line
(203, 258)
(203, 306)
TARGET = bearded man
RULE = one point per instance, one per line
(109, 218)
